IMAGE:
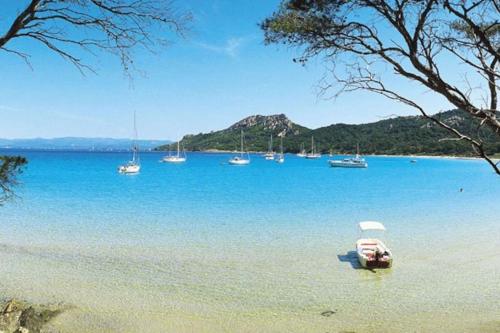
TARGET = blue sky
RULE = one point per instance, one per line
(219, 74)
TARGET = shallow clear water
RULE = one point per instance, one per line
(209, 247)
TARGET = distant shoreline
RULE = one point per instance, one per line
(217, 151)
(453, 157)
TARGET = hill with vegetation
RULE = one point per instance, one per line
(257, 131)
(399, 135)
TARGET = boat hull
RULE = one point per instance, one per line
(370, 264)
(129, 169)
(174, 160)
(366, 251)
(341, 164)
(239, 162)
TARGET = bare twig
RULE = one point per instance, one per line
(114, 26)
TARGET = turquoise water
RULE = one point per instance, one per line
(205, 239)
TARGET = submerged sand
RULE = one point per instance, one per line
(298, 285)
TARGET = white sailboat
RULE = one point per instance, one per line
(133, 166)
(175, 158)
(281, 157)
(353, 162)
(302, 152)
(270, 153)
(240, 159)
(313, 154)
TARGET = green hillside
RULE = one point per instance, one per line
(257, 130)
(401, 135)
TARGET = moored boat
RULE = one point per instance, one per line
(269, 155)
(175, 158)
(355, 162)
(240, 160)
(133, 166)
(352, 162)
(313, 154)
(302, 152)
(281, 157)
(372, 252)
(129, 168)
(237, 160)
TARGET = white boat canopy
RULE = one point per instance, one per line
(371, 225)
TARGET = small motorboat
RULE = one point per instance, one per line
(354, 162)
(372, 252)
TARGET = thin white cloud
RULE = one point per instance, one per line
(230, 48)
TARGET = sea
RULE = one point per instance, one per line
(205, 246)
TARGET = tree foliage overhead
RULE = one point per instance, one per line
(10, 167)
(416, 39)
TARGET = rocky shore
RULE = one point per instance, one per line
(22, 317)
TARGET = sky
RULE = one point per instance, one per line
(218, 74)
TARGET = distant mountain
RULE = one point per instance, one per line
(75, 143)
(257, 130)
(399, 135)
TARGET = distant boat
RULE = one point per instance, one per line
(133, 166)
(413, 161)
(302, 152)
(270, 153)
(353, 162)
(240, 160)
(281, 156)
(372, 252)
(313, 154)
(175, 158)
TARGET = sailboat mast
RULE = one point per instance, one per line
(241, 150)
(178, 151)
(134, 144)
